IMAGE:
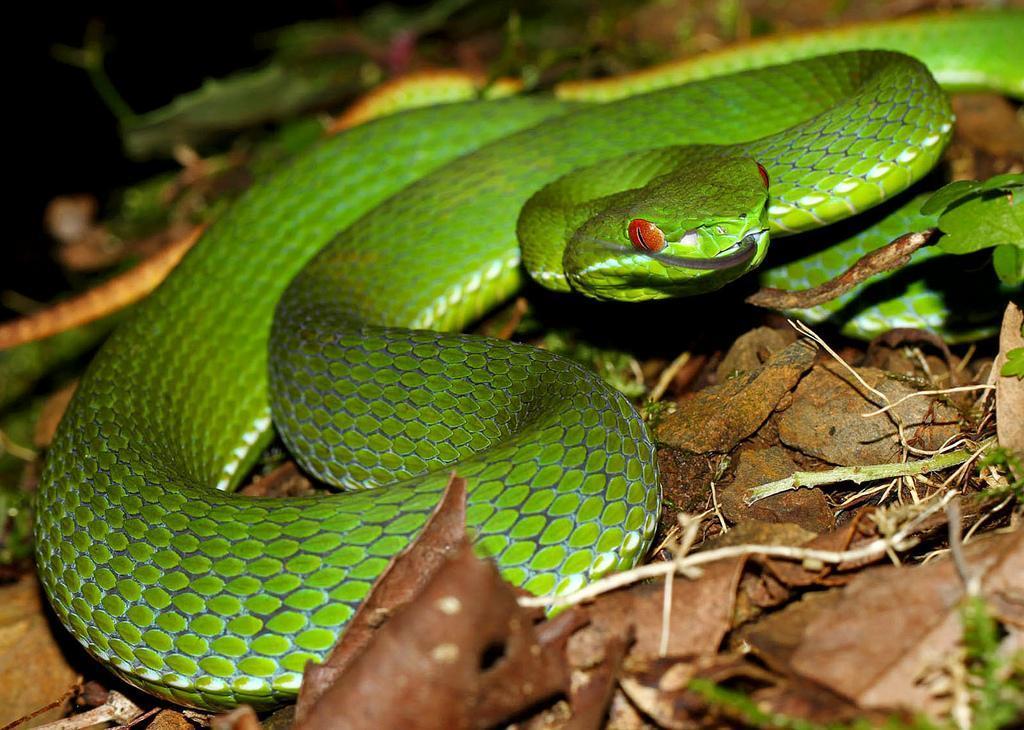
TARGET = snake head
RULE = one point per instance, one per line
(687, 232)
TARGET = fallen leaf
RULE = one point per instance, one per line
(775, 637)
(808, 701)
(753, 349)
(34, 670)
(1010, 388)
(440, 642)
(758, 588)
(241, 718)
(826, 417)
(890, 626)
(988, 137)
(805, 507)
(717, 418)
(404, 578)
(594, 678)
(700, 614)
(284, 481)
(685, 484)
(856, 530)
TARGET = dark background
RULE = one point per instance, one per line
(61, 137)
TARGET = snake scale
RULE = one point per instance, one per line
(376, 246)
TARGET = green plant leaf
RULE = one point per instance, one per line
(1008, 261)
(986, 215)
(947, 195)
(1014, 365)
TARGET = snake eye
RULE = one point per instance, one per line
(764, 173)
(645, 236)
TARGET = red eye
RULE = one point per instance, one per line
(764, 173)
(645, 236)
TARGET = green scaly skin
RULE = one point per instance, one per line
(209, 599)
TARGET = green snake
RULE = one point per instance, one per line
(373, 248)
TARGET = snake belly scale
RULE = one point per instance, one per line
(373, 248)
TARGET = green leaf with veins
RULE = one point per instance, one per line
(988, 214)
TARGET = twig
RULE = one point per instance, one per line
(110, 296)
(887, 258)
(807, 331)
(90, 59)
(9, 446)
(117, 708)
(666, 377)
(717, 508)
(860, 474)
(666, 615)
(956, 547)
(47, 707)
(814, 558)
(915, 394)
(519, 308)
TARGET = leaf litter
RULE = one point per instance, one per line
(881, 598)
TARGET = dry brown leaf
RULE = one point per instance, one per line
(715, 419)
(441, 642)
(775, 637)
(284, 481)
(988, 138)
(403, 579)
(893, 625)
(1009, 388)
(806, 700)
(240, 718)
(856, 530)
(594, 677)
(826, 417)
(32, 665)
(685, 484)
(805, 507)
(753, 349)
(701, 612)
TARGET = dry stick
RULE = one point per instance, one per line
(666, 377)
(666, 615)
(8, 446)
(814, 558)
(117, 708)
(690, 525)
(887, 258)
(808, 332)
(861, 474)
(109, 297)
(47, 707)
(136, 720)
(956, 546)
(915, 394)
(805, 330)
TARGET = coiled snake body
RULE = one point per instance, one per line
(371, 247)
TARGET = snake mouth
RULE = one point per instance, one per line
(739, 254)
